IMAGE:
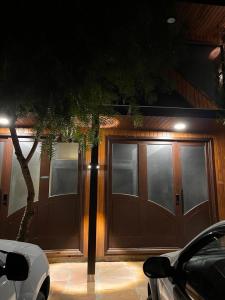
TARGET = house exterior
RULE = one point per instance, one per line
(157, 187)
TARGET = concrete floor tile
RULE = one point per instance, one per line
(113, 281)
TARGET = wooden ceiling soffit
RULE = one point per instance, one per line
(202, 22)
(166, 124)
(194, 96)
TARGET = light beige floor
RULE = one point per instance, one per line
(113, 281)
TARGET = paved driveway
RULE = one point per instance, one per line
(113, 281)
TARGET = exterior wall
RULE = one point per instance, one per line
(219, 166)
(219, 158)
(192, 94)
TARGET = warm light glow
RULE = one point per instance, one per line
(111, 277)
(179, 126)
(214, 53)
(171, 20)
(4, 121)
(90, 167)
(105, 122)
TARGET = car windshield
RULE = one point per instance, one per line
(217, 245)
(2, 259)
(205, 271)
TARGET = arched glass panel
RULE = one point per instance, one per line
(64, 169)
(18, 190)
(160, 175)
(124, 169)
(194, 176)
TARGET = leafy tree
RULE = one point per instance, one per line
(71, 72)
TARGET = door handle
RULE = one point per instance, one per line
(5, 199)
(182, 200)
(177, 199)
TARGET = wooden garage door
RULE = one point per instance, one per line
(158, 195)
(58, 211)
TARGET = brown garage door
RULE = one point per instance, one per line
(58, 211)
(159, 193)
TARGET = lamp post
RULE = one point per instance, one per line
(93, 167)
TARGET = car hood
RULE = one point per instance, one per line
(29, 250)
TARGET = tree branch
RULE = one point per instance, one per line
(32, 150)
(16, 143)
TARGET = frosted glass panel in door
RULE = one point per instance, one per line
(18, 191)
(194, 176)
(124, 169)
(64, 169)
(160, 175)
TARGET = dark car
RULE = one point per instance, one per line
(196, 272)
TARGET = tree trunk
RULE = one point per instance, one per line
(29, 209)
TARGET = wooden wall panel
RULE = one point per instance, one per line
(219, 163)
(193, 95)
(86, 193)
(202, 22)
(219, 159)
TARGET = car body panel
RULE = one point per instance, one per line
(165, 288)
(7, 289)
(38, 268)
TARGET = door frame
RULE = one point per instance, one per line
(210, 160)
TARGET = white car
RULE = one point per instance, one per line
(24, 272)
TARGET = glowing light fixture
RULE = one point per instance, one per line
(4, 121)
(214, 53)
(171, 20)
(179, 126)
(91, 167)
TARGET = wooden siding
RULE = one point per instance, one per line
(202, 22)
(219, 163)
(193, 95)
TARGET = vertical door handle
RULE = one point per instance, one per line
(5, 199)
(182, 200)
(177, 199)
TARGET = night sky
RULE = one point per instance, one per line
(49, 45)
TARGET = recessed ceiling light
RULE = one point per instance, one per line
(4, 121)
(171, 20)
(179, 126)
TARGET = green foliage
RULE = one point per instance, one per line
(114, 54)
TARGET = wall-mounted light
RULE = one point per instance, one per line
(214, 54)
(4, 121)
(180, 126)
(92, 167)
(171, 20)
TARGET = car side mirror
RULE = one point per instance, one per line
(16, 267)
(158, 267)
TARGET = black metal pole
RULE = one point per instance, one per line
(93, 202)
